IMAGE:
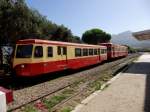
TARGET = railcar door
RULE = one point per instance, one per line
(109, 51)
(99, 54)
(38, 55)
(113, 52)
(62, 57)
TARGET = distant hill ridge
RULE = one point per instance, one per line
(127, 38)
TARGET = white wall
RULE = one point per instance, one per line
(2, 102)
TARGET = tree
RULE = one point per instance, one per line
(62, 34)
(95, 36)
(76, 39)
(18, 21)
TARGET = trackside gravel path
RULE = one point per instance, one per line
(130, 92)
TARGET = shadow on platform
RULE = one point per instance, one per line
(142, 68)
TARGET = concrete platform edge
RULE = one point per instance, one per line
(93, 95)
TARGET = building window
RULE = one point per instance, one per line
(50, 51)
(38, 52)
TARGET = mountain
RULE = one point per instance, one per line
(126, 38)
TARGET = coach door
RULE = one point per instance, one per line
(99, 54)
(38, 59)
(62, 56)
(112, 52)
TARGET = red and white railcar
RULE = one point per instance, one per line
(34, 57)
(115, 50)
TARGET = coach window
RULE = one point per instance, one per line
(85, 52)
(90, 51)
(99, 51)
(59, 50)
(105, 51)
(50, 51)
(77, 52)
(102, 51)
(95, 51)
(38, 52)
(64, 50)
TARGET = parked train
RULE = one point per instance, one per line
(33, 57)
(115, 50)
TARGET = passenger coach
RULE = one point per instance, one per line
(115, 50)
(34, 57)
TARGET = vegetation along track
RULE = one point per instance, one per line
(71, 86)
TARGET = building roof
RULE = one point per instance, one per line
(142, 35)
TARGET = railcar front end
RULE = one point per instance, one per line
(22, 59)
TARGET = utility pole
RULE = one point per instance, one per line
(1, 57)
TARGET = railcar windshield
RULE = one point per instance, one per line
(24, 51)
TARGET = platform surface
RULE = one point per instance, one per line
(130, 92)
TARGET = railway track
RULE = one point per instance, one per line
(34, 93)
(116, 68)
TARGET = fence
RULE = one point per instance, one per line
(5, 57)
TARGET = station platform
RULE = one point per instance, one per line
(129, 92)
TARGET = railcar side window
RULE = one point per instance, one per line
(77, 52)
(99, 51)
(102, 51)
(95, 51)
(90, 51)
(38, 52)
(59, 50)
(64, 50)
(85, 52)
(50, 51)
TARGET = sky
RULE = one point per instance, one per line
(112, 16)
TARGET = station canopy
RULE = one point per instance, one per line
(142, 35)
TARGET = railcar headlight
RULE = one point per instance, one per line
(22, 66)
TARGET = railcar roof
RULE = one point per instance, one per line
(113, 44)
(40, 41)
(108, 44)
